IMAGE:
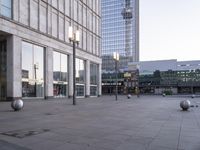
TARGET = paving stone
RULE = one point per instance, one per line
(148, 122)
(4, 145)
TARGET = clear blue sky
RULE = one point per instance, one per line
(169, 29)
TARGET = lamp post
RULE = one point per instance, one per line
(116, 58)
(137, 82)
(74, 37)
(36, 66)
(110, 86)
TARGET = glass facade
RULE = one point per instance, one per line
(6, 8)
(93, 79)
(186, 81)
(3, 70)
(80, 77)
(32, 70)
(60, 74)
(119, 32)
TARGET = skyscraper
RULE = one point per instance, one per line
(120, 32)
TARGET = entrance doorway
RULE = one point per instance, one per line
(3, 70)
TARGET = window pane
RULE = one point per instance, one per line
(93, 90)
(27, 59)
(80, 71)
(93, 73)
(60, 71)
(6, 3)
(39, 70)
(32, 70)
(38, 62)
(80, 90)
(5, 7)
(6, 11)
(56, 66)
(60, 90)
(3, 71)
(64, 75)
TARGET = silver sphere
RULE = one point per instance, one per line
(129, 96)
(193, 96)
(185, 105)
(17, 104)
(163, 94)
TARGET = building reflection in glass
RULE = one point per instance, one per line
(80, 77)
(93, 79)
(32, 70)
(60, 74)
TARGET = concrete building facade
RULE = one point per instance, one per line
(36, 54)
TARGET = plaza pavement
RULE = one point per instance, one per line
(145, 123)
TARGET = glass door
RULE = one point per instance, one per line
(3, 70)
(60, 89)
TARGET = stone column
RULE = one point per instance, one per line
(70, 75)
(87, 81)
(14, 69)
(49, 73)
(15, 10)
(99, 84)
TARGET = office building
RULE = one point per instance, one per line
(36, 53)
(169, 76)
(120, 32)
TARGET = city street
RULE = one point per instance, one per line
(145, 123)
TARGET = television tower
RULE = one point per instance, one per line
(127, 16)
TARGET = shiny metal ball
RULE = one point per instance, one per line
(185, 105)
(17, 104)
(163, 94)
(193, 96)
(129, 96)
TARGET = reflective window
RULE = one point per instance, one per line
(80, 77)
(93, 90)
(80, 71)
(32, 70)
(60, 74)
(93, 73)
(6, 8)
(93, 79)
(119, 28)
(2, 70)
(56, 66)
(80, 90)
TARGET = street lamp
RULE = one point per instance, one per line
(36, 66)
(137, 80)
(110, 85)
(116, 58)
(74, 37)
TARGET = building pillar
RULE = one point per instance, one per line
(15, 10)
(14, 69)
(70, 76)
(100, 84)
(49, 73)
(87, 92)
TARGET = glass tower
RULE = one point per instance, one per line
(120, 32)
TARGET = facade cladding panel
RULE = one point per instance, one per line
(120, 32)
(43, 26)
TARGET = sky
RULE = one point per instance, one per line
(169, 29)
